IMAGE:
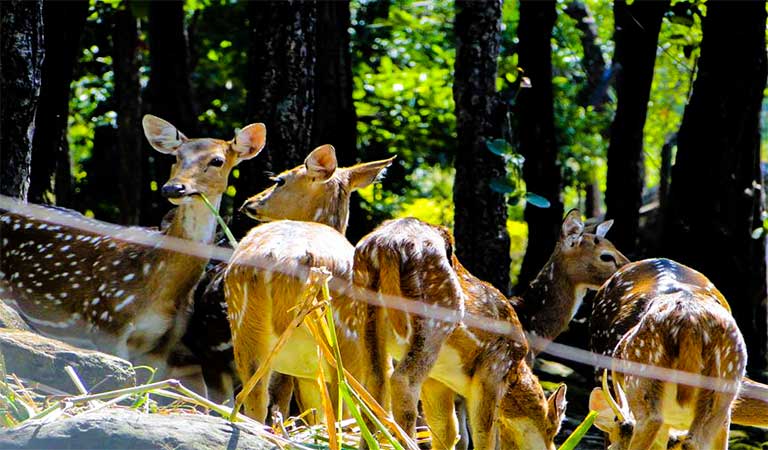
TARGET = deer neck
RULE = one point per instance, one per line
(194, 221)
(334, 212)
(550, 302)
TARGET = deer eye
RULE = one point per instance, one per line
(216, 162)
(607, 257)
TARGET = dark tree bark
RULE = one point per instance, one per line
(593, 62)
(480, 220)
(536, 119)
(636, 36)
(129, 154)
(169, 95)
(51, 181)
(21, 58)
(281, 90)
(715, 197)
(335, 120)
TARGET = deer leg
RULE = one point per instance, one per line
(482, 402)
(281, 389)
(247, 363)
(309, 397)
(709, 429)
(437, 402)
(647, 408)
(412, 370)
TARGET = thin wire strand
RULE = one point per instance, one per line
(140, 236)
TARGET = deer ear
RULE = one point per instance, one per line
(321, 163)
(162, 136)
(364, 174)
(572, 229)
(605, 417)
(557, 404)
(249, 141)
(603, 228)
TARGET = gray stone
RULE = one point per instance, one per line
(9, 318)
(39, 359)
(128, 429)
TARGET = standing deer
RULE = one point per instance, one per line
(317, 191)
(123, 298)
(663, 313)
(438, 359)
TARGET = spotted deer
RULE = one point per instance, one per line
(316, 191)
(438, 359)
(581, 261)
(662, 313)
(120, 297)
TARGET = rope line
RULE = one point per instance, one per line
(137, 235)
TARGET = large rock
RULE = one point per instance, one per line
(9, 318)
(128, 429)
(36, 358)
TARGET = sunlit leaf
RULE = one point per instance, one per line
(536, 200)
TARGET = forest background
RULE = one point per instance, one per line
(502, 117)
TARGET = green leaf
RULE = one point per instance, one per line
(757, 233)
(578, 434)
(499, 147)
(502, 186)
(536, 200)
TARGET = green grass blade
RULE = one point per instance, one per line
(224, 227)
(578, 434)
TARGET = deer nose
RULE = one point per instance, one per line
(250, 208)
(173, 190)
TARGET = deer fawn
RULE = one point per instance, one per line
(317, 191)
(665, 314)
(124, 298)
(415, 260)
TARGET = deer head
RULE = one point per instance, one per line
(202, 165)
(316, 191)
(527, 419)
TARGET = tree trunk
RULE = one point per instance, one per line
(480, 220)
(169, 96)
(335, 119)
(128, 104)
(714, 201)
(636, 36)
(593, 62)
(281, 90)
(51, 181)
(536, 119)
(21, 58)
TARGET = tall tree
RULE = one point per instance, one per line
(281, 89)
(21, 58)
(715, 199)
(482, 242)
(536, 121)
(636, 36)
(169, 95)
(128, 155)
(51, 180)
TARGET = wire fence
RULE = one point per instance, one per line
(146, 237)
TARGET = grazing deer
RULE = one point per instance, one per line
(662, 313)
(123, 298)
(438, 359)
(317, 191)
